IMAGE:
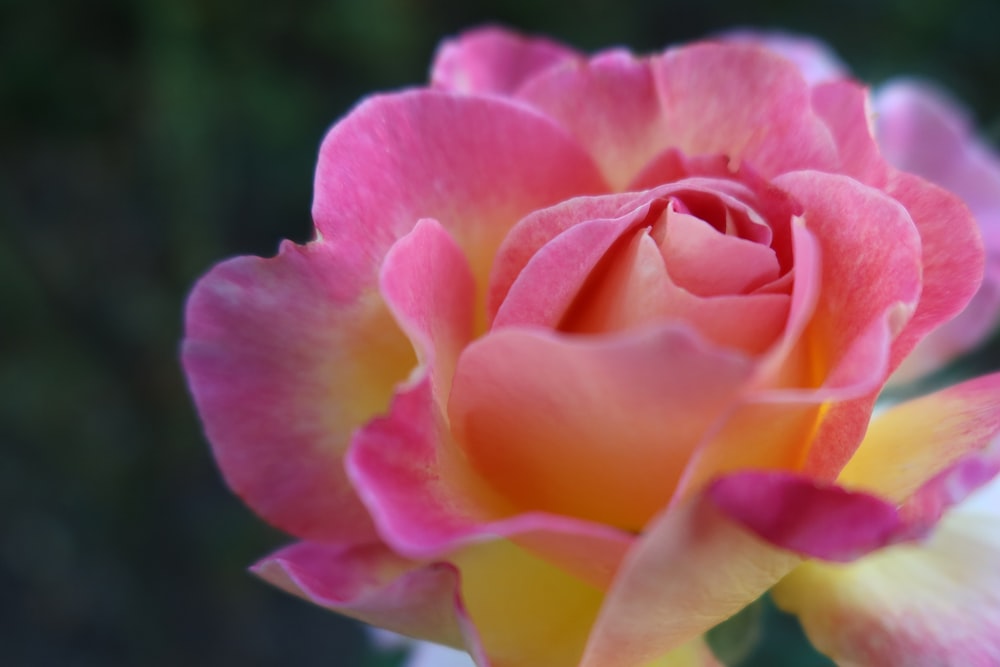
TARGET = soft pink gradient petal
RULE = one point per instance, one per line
(427, 284)
(495, 60)
(925, 605)
(536, 230)
(427, 503)
(922, 131)
(603, 426)
(845, 107)
(691, 569)
(285, 357)
(952, 257)
(816, 60)
(743, 102)
(563, 266)
(609, 104)
(477, 165)
(374, 585)
(870, 252)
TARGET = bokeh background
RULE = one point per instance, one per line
(142, 141)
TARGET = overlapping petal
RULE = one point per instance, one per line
(922, 131)
(427, 502)
(477, 183)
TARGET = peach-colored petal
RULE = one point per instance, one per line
(630, 292)
(427, 503)
(495, 60)
(603, 425)
(925, 605)
(427, 284)
(372, 584)
(691, 569)
(285, 357)
(634, 290)
(396, 159)
(741, 101)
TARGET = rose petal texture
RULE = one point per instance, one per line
(583, 357)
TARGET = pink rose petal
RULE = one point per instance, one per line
(743, 102)
(494, 60)
(427, 283)
(285, 357)
(443, 165)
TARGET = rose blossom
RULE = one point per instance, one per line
(583, 356)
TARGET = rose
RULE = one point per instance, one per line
(921, 129)
(582, 357)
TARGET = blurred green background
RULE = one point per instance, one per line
(142, 141)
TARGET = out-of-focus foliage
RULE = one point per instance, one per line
(142, 140)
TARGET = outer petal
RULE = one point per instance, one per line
(922, 131)
(691, 569)
(911, 605)
(816, 60)
(952, 252)
(373, 585)
(609, 103)
(285, 358)
(743, 102)
(494, 60)
(476, 165)
(604, 425)
(844, 107)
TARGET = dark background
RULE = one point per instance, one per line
(142, 141)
